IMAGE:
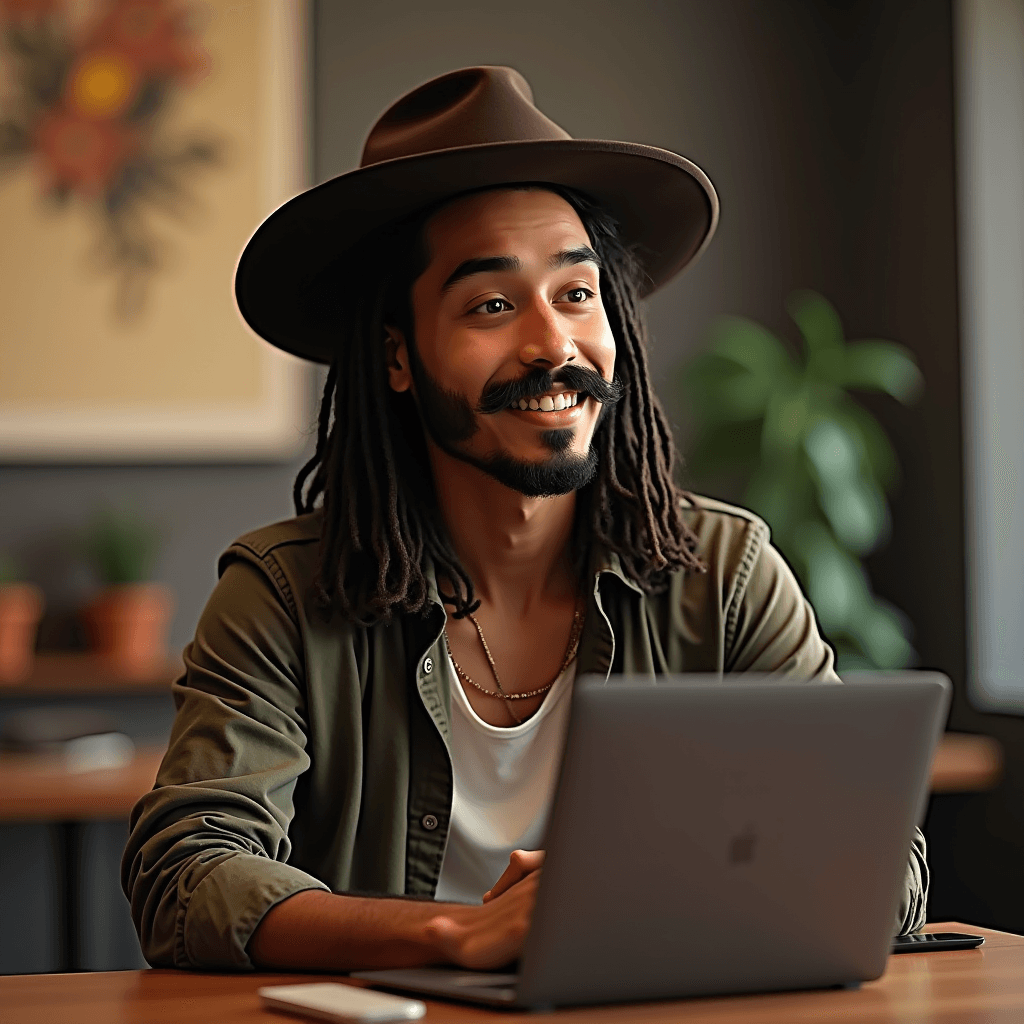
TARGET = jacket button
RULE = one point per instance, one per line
(429, 822)
(428, 667)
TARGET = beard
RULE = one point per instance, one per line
(451, 421)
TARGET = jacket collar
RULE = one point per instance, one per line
(597, 647)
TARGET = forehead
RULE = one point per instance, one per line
(499, 222)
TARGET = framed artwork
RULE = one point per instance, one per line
(141, 142)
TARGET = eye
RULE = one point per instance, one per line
(492, 306)
(578, 295)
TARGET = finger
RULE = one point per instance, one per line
(520, 864)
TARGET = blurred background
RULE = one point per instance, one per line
(867, 151)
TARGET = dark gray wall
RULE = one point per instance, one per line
(721, 83)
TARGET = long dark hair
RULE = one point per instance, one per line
(380, 517)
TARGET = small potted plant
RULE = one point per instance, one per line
(21, 607)
(127, 620)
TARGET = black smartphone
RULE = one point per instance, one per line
(925, 942)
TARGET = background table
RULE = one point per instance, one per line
(77, 810)
(966, 764)
(38, 789)
(962, 987)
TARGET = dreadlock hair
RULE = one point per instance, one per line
(370, 467)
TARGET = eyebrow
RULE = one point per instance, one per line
(570, 257)
(513, 264)
(482, 265)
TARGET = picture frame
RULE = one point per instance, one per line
(183, 380)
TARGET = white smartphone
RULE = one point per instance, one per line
(330, 1001)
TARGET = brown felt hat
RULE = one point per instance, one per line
(468, 129)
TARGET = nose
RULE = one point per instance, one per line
(545, 338)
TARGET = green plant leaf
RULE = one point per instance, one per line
(122, 546)
(850, 658)
(857, 515)
(783, 496)
(753, 347)
(822, 332)
(720, 390)
(818, 321)
(786, 422)
(877, 452)
(852, 502)
(834, 452)
(883, 366)
(726, 447)
(881, 634)
(836, 583)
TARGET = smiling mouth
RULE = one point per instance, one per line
(548, 403)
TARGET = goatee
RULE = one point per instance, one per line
(451, 421)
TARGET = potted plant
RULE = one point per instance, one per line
(21, 607)
(127, 620)
(814, 463)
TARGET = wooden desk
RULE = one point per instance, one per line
(965, 987)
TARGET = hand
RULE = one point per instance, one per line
(489, 936)
(520, 864)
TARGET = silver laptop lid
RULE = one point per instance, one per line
(713, 836)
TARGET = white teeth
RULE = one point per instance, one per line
(563, 400)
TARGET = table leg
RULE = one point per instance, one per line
(69, 893)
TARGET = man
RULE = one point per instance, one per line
(376, 699)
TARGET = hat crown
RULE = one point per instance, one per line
(472, 106)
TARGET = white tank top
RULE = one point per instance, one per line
(504, 784)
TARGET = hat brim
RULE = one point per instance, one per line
(665, 206)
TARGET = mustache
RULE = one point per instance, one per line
(537, 382)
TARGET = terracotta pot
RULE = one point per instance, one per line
(21, 607)
(127, 626)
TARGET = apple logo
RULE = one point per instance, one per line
(741, 847)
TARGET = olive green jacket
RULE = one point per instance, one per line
(309, 752)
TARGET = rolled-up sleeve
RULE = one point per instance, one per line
(770, 627)
(914, 899)
(208, 847)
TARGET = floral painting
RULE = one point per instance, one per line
(87, 103)
(141, 143)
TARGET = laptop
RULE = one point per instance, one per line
(717, 836)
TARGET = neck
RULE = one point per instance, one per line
(516, 549)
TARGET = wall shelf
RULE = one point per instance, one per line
(85, 674)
